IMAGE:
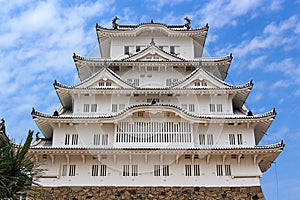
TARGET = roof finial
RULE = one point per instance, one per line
(188, 22)
(152, 43)
(114, 22)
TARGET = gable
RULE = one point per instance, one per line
(201, 79)
(105, 78)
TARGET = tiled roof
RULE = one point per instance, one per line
(213, 148)
(171, 27)
(272, 113)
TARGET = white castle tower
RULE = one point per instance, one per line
(152, 112)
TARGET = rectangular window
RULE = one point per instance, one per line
(184, 106)
(74, 139)
(67, 139)
(122, 106)
(197, 83)
(86, 107)
(95, 170)
(94, 107)
(101, 84)
(175, 50)
(168, 82)
(134, 170)
(128, 50)
(156, 170)
(102, 170)
(108, 84)
(137, 48)
(125, 170)
(239, 139)
(191, 107)
(212, 108)
(219, 170)
(196, 170)
(204, 83)
(136, 82)
(114, 107)
(201, 139)
(164, 48)
(72, 170)
(188, 170)
(97, 139)
(150, 100)
(105, 139)
(227, 170)
(210, 139)
(64, 170)
(165, 170)
(140, 114)
(219, 108)
(231, 139)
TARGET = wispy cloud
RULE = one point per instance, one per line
(37, 43)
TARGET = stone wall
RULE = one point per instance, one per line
(180, 193)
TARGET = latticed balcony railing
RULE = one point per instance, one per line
(153, 132)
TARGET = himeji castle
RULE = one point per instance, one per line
(152, 112)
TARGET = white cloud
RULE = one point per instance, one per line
(220, 13)
(37, 40)
(274, 35)
(257, 62)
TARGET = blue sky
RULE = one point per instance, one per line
(38, 38)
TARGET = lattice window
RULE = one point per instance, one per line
(196, 170)
(95, 170)
(103, 169)
(165, 170)
(67, 139)
(64, 170)
(94, 107)
(134, 170)
(74, 139)
(227, 170)
(97, 139)
(201, 139)
(125, 170)
(114, 107)
(105, 139)
(239, 139)
(219, 108)
(231, 139)
(156, 170)
(210, 139)
(86, 107)
(219, 170)
(212, 107)
(191, 107)
(72, 170)
(188, 170)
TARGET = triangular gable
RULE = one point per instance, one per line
(105, 78)
(152, 52)
(200, 78)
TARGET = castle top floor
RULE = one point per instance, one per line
(122, 41)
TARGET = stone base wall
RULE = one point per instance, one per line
(180, 193)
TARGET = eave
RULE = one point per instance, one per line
(262, 155)
(88, 66)
(65, 93)
(46, 121)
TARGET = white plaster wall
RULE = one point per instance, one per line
(105, 102)
(145, 172)
(186, 45)
(221, 133)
